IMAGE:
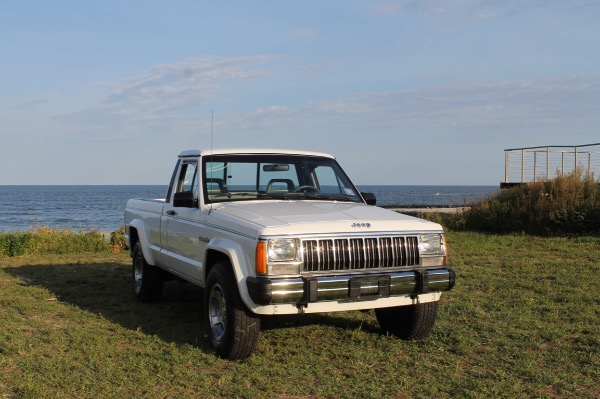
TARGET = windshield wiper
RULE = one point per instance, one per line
(229, 195)
(272, 196)
(330, 197)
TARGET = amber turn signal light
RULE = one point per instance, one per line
(261, 258)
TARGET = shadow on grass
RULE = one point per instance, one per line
(106, 289)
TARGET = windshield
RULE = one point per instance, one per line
(286, 177)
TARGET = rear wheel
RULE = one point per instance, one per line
(147, 279)
(411, 322)
(233, 330)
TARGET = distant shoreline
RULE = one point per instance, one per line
(101, 207)
(436, 209)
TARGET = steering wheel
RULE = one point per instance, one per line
(307, 189)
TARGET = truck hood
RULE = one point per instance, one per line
(315, 217)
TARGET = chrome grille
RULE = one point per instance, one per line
(363, 253)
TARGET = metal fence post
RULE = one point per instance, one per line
(505, 166)
(523, 165)
(534, 164)
(547, 163)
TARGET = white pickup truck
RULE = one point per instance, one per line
(274, 232)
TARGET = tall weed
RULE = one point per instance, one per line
(564, 205)
(117, 240)
(46, 240)
(16, 244)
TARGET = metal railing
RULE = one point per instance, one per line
(530, 164)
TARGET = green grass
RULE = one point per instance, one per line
(523, 321)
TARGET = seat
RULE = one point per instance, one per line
(278, 185)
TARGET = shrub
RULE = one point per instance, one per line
(117, 240)
(15, 244)
(563, 205)
(46, 240)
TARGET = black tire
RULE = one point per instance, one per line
(412, 322)
(147, 279)
(232, 329)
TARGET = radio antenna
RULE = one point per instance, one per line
(212, 122)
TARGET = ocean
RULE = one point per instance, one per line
(101, 207)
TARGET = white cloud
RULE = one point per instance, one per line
(37, 101)
(165, 100)
(186, 83)
(311, 113)
(435, 6)
(566, 102)
(302, 32)
(388, 9)
(165, 94)
(479, 10)
(534, 103)
(483, 16)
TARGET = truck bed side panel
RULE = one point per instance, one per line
(146, 215)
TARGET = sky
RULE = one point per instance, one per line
(400, 92)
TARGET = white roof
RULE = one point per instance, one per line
(250, 151)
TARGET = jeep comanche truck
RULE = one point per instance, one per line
(276, 232)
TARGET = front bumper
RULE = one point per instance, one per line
(362, 287)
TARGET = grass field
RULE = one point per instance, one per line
(522, 322)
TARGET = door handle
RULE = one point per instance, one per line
(171, 212)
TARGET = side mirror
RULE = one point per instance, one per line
(184, 199)
(369, 198)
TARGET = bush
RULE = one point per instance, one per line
(564, 205)
(117, 240)
(15, 244)
(46, 240)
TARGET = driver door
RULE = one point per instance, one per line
(184, 250)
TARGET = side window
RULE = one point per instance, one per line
(188, 179)
(172, 183)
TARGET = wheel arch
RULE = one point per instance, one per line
(223, 250)
(214, 256)
(134, 237)
(137, 233)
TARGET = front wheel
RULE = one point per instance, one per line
(232, 329)
(412, 322)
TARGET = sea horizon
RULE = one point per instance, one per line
(151, 184)
(101, 206)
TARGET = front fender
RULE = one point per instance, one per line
(241, 263)
(139, 226)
